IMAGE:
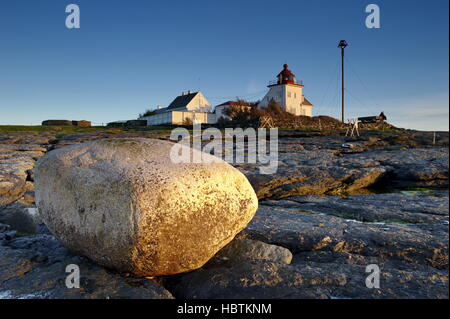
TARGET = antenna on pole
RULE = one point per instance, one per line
(342, 44)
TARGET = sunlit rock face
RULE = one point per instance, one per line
(126, 205)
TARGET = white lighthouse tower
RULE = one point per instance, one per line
(287, 92)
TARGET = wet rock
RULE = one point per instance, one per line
(402, 207)
(333, 238)
(265, 280)
(304, 180)
(409, 168)
(71, 139)
(331, 251)
(305, 231)
(35, 267)
(4, 227)
(20, 217)
(6, 233)
(23, 147)
(330, 171)
(244, 249)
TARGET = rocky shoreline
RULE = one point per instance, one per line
(327, 213)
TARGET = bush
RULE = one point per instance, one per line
(275, 109)
(223, 122)
(243, 114)
(187, 121)
(147, 112)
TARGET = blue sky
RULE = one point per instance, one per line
(132, 55)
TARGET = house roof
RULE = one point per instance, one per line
(161, 110)
(234, 103)
(182, 100)
(306, 102)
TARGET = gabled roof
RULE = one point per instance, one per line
(306, 102)
(161, 110)
(234, 103)
(182, 100)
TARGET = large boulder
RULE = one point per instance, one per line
(126, 205)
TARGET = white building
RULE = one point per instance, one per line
(189, 107)
(220, 110)
(288, 93)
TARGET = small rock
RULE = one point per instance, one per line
(243, 249)
(22, 219)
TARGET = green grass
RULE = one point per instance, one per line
(401, 221)
(64, 130)
(60, 131)
(50, 128)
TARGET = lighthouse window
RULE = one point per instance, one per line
(289, 94)
(295, 95)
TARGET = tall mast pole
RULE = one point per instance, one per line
(342, 45)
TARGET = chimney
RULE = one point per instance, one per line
(189, 92)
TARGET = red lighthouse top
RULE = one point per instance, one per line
(286, 76)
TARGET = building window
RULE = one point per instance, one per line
(289, 94)
(295, 95)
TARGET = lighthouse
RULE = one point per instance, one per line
(287, 92)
